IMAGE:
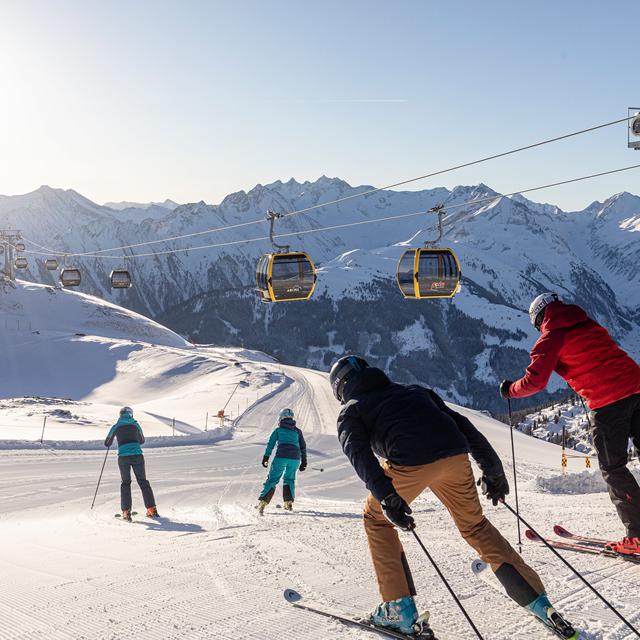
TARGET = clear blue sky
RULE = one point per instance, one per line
(193, 100)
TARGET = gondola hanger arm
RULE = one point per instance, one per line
(272, 216)
(439, 211)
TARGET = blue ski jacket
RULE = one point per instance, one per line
(129, 435)
(289, 439)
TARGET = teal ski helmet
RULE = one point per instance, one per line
(286, 413)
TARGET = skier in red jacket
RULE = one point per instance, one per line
(595, 367)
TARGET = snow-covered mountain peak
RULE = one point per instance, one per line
(620, 207)
(168, 204)
(539, 207)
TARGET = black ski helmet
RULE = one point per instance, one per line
(343, 370)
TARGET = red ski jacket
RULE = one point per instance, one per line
(584, 354)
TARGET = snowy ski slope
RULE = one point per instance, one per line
(212, 568)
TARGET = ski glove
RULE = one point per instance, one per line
(505, 385)
(496, 488)
(397, 511)
(303, 464)
(265, 461)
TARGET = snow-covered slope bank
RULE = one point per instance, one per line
(75, 360)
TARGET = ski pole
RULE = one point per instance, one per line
(586, 412)
(446, 584)
(586, 582)
(317, 469)
(100, 478)
(515, 476)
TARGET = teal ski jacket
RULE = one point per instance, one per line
(129, 435)
(289, 439)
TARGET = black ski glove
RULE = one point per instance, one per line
(505, 385)
(397, 511)
(496, 488)
(265, 461)
(303, 464)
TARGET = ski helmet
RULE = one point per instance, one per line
(286, 413)
(126, 411)
(536, 310)
(344, 370)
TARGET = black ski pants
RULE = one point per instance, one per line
(613, 425)
(126, 463)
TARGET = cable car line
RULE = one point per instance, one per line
(352, 196)
(352, 224)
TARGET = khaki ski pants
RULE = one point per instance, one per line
(452, 481)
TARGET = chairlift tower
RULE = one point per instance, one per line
(9, 238)
(633, 132)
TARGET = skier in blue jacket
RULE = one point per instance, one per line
(129, 435)
(291, 455)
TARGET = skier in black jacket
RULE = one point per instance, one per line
(424, 444)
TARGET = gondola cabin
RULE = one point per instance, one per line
(282, 277)
(429, 273)
(120, 279)
(70, 277)
(21, 263)
(51, 264)
(20, 246)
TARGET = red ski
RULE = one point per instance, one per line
(579, 547)
(564, 533)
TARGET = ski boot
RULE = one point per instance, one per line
(628, 546)
(399, 615)
(288, 505)
(152, 512)
(126, 515)
(262, 504)
(542, 609)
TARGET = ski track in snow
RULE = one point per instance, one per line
(212, 568)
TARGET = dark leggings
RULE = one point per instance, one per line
(614, 424)
(126, 463)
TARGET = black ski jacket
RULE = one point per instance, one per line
(406, 425)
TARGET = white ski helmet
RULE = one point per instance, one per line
(126, 411)
(539, 305)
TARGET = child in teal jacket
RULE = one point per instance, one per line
(291, 455)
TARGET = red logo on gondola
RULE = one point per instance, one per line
(438, 285)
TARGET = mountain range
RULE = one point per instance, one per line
(510, 250)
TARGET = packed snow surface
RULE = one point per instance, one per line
(210, 567)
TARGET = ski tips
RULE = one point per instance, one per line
(531, 536)
(561, 531)
(290, 595)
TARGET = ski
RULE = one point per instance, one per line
(426, 633)
(577, 547)
(564, 533)
(119, 515)
(482, 570)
